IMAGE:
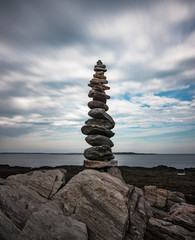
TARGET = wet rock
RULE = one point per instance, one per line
(99, 153)
(98, 140)
(97, 104)
(89, 130)
(101, 123)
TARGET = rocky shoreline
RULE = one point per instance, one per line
(161, 176)
(73, 203)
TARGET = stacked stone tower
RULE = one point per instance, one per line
(98, 128)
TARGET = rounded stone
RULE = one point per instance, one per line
(98, 140)
(100, 123)
(89, 130)
(99, 69)
(98, 88)
(99, 76)
(97, 104)
(99, 153)
(92, 85)
(98, 80)
(100, 113)
(93, 92)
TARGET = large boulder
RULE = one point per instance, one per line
(100, 201)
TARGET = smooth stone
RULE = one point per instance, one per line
(100, 113)
(100, 69)
(165, 223)
(100, 164)
(99, 153)
(101, 123)
(92, 85)
(98, 140)
(98, 88)
(97, 81)
(99, 62)
(99, 72)
(97, 104)
(93, 92)
(89, 130)
(99, 76)
(100, 65)
(99, 98)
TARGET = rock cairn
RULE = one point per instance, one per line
(98, 128)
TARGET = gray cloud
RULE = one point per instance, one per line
(48, 49)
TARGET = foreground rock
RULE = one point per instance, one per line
(100, 201)
(92, 205)
(49, 223)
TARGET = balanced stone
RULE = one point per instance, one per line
(89, 130)
(92, 85)
(97, 81)
(98, 88)
(98, 140)
(98, 129)
(100, 113)
(97, 104)
(99, 153)
(93, 92)
(99, 62)
(100, 65)
(99, 76)
(100, 164)
(100, 72)
(99, 69)
(100, 123)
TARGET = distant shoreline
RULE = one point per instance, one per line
(115, 153)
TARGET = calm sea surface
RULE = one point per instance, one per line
(38, 160)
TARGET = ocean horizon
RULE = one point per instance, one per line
(34, 160)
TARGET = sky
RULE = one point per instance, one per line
(47, 53)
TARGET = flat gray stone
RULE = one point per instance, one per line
(100, 113)
(97, 104)
(98, 80)
(93, 92)
(89, 130)
(99, 153)
(99, 69)
(98, 140)
(100, 164)
(100, 123)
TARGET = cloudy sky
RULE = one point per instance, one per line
(47, 53)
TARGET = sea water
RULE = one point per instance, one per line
(179, 161)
